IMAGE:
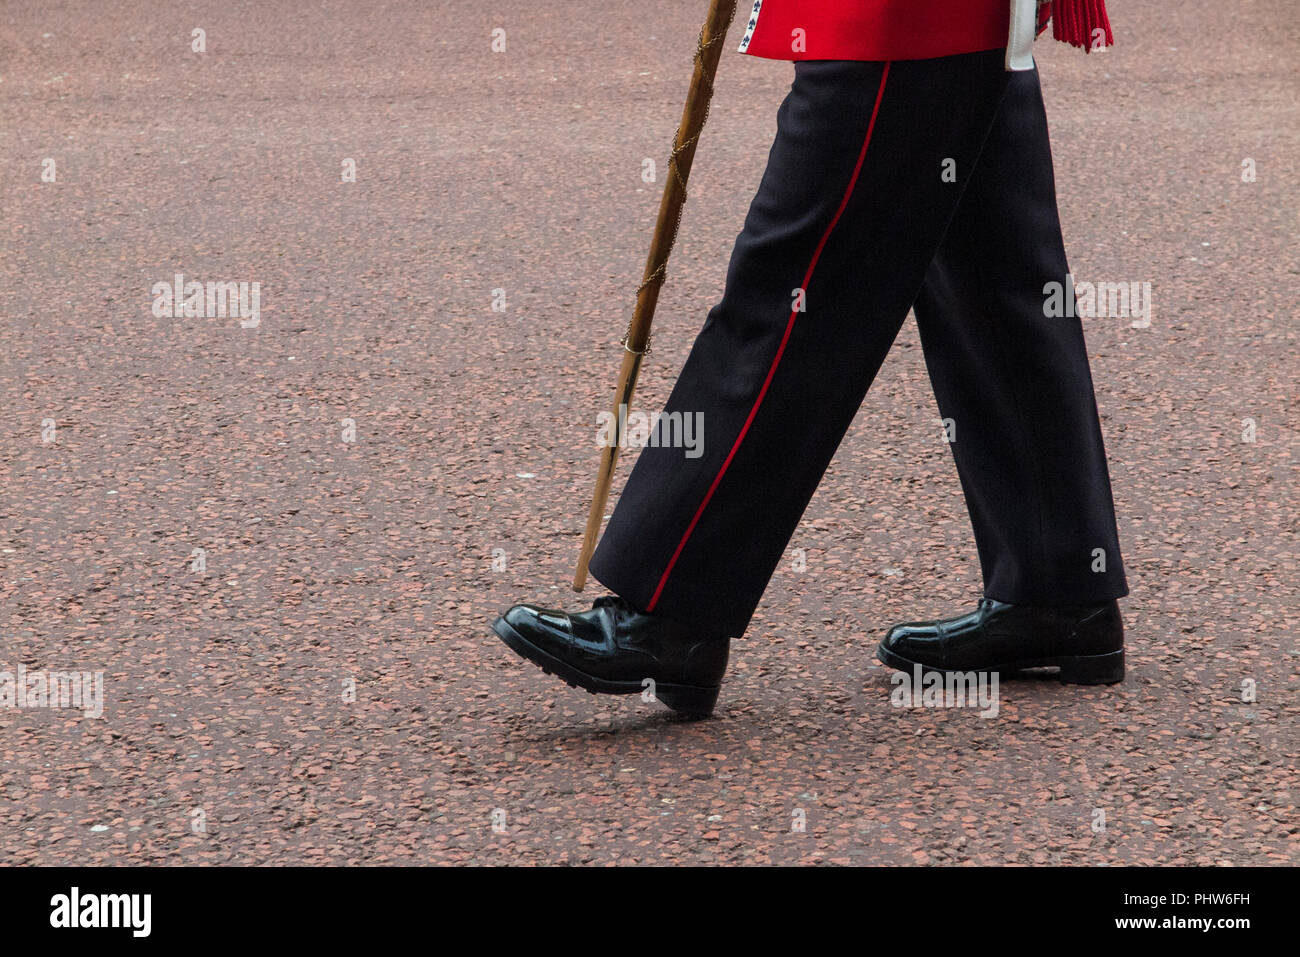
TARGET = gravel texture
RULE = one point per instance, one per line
(230, 732)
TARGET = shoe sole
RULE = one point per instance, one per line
(687, 700)
(1105, 669)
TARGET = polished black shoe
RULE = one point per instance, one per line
(1085, 642)
(614, 648)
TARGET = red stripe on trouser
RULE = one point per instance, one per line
(776, 360)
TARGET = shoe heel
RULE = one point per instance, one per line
(684, 699)
(1093, 669)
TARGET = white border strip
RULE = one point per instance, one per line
(749, 28)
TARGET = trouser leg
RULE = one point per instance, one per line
(851, 210)
(1013, 383)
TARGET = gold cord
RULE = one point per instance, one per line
(660, 272)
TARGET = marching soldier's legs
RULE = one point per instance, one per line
(846, 227)
(1013, 382)
(847, 218)
(1015, 385)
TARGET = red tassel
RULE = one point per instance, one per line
(1082, 23)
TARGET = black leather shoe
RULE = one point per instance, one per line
(613, 648)
(1086, 642)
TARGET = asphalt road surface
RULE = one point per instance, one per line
(275, 540)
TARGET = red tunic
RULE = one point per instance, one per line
(872, 29)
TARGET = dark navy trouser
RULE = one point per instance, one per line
(854, 209)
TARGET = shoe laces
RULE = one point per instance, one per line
(619, 605)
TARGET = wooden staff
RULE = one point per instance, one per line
(636, 342)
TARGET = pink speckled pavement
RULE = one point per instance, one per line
(279, 544)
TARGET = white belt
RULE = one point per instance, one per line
(1020, 39)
